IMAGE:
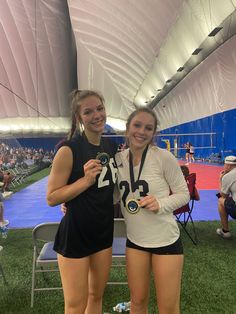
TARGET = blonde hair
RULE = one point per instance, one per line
(76, 98)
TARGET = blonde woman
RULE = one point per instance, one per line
(83, 176)
(146, 175)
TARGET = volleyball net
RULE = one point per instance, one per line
(204, 144)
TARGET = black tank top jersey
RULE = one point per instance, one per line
(87, 226)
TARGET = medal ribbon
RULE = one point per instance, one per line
(131, 169)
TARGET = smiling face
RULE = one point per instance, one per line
(140, 130)
(92, 115)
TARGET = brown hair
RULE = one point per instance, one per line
(76, 98)
(140, 110)
(185, 170)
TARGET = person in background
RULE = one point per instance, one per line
(185, 170)
(146, 175)
(3, 222)
(195, 194)
(6, 178)
(191, 153)
(187, 152)
(227, 196)
(83, 175)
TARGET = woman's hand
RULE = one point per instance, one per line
(92, 168)
(150, 202)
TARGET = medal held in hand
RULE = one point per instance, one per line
(104, 158)
(132, 205)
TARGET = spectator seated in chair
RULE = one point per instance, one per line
(186, 173)
(185, 170)
(184, 213)
(6, 178)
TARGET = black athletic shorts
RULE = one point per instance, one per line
(230, 207)
(175, 248)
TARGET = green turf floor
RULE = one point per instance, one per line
(209, 279)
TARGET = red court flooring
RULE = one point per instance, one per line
(207, 175)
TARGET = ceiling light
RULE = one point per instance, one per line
(168, 81)
(152, 96)
(215, 31)
(180, 69)
(196, 51)
(159, 89)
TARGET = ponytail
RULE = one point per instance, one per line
(73, 128)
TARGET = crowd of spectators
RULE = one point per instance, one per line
(21, 158)
(13, 157)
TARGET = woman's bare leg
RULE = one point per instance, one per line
(100, 264)
(74, 277)
(138, 271)
(167, 270)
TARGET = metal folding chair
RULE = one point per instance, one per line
(118, 249)
(1, 269)
(44, 257)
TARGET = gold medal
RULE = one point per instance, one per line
(132, 206)
(104, 158)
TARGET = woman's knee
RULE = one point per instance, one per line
(138, 307)
(95, 295)
(168, 308)
(75, 304)
(139, 303)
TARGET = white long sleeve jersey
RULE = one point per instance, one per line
(162, 177)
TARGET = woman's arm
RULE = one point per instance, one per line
(179, 190)
(58, 190)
